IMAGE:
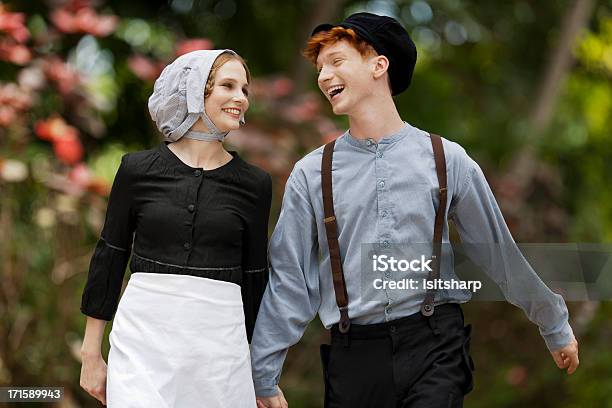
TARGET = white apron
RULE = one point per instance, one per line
(179, 341)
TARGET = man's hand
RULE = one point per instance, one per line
(567, 357)
(276, 401)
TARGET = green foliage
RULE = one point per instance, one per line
(480, 66)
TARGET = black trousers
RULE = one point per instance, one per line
(412, 362)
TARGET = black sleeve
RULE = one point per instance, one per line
(255, 256)
(111, 255)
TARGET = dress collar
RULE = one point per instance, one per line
(184, 168)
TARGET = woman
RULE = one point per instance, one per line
(199, 265)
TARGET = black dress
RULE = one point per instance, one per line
(182, 220)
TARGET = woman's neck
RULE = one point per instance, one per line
(200, 153)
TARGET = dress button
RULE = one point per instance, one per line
(187, 245)
(197, 173)
(191, 207)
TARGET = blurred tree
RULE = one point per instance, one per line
(75, 77)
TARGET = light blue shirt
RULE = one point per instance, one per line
(385, 193)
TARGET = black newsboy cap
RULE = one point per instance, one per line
(388, 38)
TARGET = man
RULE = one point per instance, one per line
(385, 182)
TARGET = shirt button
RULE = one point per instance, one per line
(384, 214)
(392, 329)
(380, 154)
(385, 244)
(187, 245)
(197, 173)
(191, 207)
(381, 184)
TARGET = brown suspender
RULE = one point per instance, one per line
(331, 230)
(427, 307)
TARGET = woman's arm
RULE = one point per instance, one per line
(93, 367)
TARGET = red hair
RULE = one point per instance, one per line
(325, 38)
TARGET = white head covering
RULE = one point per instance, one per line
(177, 101)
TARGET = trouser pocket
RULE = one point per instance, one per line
(325, 351)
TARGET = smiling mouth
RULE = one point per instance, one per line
(335, 91)
(232, 111)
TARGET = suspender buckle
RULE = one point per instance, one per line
(329, 219)
(345, 323)
(427, 309)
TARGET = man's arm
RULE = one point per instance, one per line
(292, 296)
(480, 222)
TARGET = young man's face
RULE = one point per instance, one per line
(345, 76)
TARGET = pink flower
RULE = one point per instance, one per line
(144, 68)
(80, 175)
(192, 44)
(282, 87)
(303, 110)
(14, 25)
(54, 129)
(14, 99)
(104, 26)
(63, 20)
(7, 115)
(65, 77)
(15, 53)
(83, 20)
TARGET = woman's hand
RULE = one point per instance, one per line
(93, 376)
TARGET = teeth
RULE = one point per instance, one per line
(231, 110)
(334, 88)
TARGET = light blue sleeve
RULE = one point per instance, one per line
(292, 298)
(480, 222)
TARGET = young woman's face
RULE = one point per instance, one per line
(345, 76)
(228, 100)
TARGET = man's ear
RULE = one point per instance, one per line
(381, 65)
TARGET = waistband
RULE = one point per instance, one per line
(413, 321)
(231, 274)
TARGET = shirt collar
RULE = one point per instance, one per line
(370, 144)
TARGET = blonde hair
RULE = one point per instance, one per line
(222, 59)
